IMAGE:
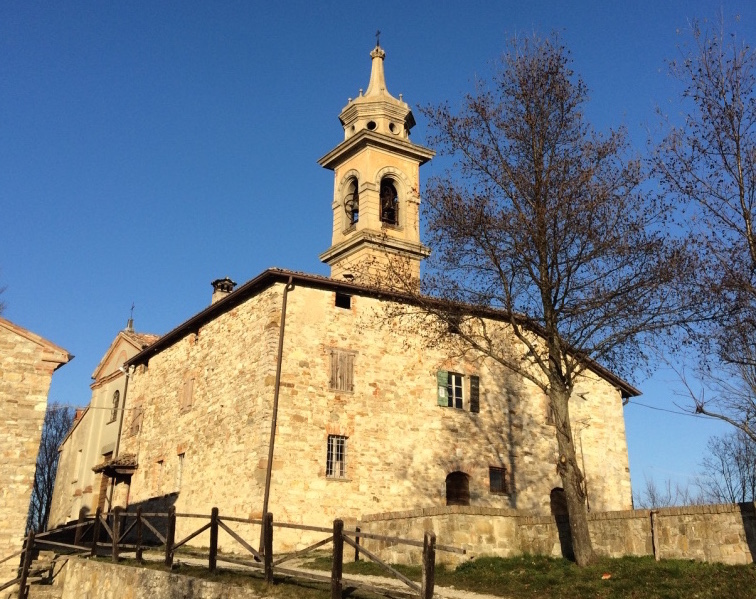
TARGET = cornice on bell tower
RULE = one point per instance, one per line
(376, 184)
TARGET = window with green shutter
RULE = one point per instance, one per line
(451, 391)
(442, 377)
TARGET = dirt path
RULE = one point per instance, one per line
(393, 583)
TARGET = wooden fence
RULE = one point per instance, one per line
(116, 526)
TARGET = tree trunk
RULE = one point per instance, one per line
(573, 481)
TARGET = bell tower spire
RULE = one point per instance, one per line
(376, 184)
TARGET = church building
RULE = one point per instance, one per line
(369, 417)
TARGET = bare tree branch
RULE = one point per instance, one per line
(708, 166)
(57, 423)
(544, 221)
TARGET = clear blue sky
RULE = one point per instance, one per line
(147, 148)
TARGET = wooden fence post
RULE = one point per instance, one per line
(170, 536)
(116, 531)
(80, 525)
(268, 546)
(429, 565)
(139, 535)
(96, 532)
(338, 558)
(213, 539)
(357, 542)
(26, 565)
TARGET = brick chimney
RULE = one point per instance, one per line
(221, 288)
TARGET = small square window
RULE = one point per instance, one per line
(336, 457)
(343, 300)
(497, 478)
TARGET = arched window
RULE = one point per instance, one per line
(389, 203)
(457, 489)
(352, 203)
(116, 401)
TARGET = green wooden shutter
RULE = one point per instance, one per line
(475, 394)
(442, 379)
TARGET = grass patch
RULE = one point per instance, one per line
(539, 577)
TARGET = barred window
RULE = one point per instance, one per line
(497, 479)
(342, 370)
(336, 457)
(458, 489)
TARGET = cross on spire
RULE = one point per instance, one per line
(378, 37)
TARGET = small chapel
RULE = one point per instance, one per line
(290, 394)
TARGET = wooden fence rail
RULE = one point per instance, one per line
(116, 527)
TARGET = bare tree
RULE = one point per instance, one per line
(542, 220)
(654, 496)
(729, 469)
(708, 166)
(57, 423)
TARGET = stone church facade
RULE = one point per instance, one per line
(94, 436)
(370, 417)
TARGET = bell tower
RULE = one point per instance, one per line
(376, 195)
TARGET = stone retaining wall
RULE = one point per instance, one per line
(90, 579)
(721, 533)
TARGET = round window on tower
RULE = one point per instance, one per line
(371, 125)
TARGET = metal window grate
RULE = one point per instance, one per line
(336, 457)
(497, 480)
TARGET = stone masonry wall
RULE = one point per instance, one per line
(26, 368)
(212, 452)
(401, 444)
(718, 533)
(89, 579)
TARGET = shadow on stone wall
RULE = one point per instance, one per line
(153, 505)
(558, 502)
(748, 514)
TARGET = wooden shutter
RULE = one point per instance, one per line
(475, 394)
(186, 402)
(442, 379)
(334, 369)
(348, 372)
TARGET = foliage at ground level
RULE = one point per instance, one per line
(536, 577)
(523, 577)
